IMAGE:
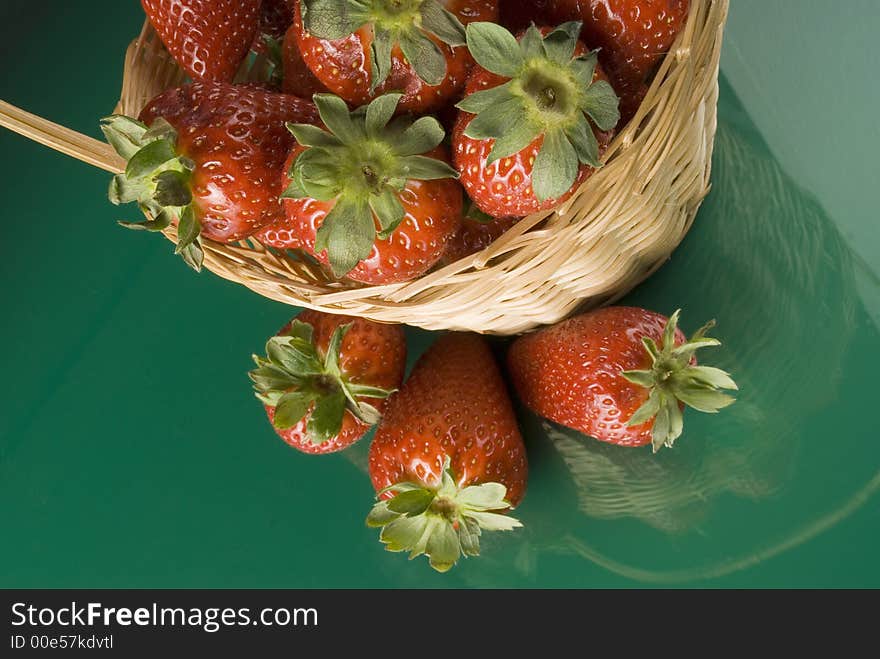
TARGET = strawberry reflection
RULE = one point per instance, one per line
(671, 492)
(786, 462)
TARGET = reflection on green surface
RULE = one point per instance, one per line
(782, 280)
(133, 454)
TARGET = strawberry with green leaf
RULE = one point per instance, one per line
(448, 460)
(359, 49)
(325, 378)
(537, 114)
(632, 37)
(206, 157)
(370, 195)
(620, 374)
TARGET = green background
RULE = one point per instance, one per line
(132, 453)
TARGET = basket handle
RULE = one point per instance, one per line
(82, 147)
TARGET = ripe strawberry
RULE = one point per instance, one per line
(360, 197)
(206, 156)
(529, 130)
(325, 378)
(360, 50)
(298, 78)
(477, 232)
(604, 374)
(448, 457)
(632, 35)
(208, 38)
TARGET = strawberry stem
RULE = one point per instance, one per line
(673, 379)
(362, 161)
(444, 521)
(406, 24)
(294, 378)
(157, 178)
(549, 92)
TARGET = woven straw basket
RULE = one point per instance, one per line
(619, 227)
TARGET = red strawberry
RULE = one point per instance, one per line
(633, 35)
(208, 38)
(285, 232)
(298, 78)
(210, 160)
(415, 47)
(619, 374)
(325, 378)
(475, 235)
(529, 130)
(448, 457)
(363, 199)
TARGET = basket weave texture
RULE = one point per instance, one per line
(619, 227)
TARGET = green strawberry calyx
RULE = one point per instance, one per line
(297, 380)
(672, 380)
(443, 521)
(362, 161)
(407, 24)
(157, 178)
(549, 92)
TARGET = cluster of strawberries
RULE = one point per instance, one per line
(337, 155)
(345, 164)
(448, 460)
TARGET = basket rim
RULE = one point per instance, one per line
(417, 302)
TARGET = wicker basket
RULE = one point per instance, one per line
(615, 231)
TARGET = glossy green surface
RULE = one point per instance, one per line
(132, 452)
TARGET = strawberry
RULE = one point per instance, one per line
(529, 129)
(325, 378)
(363, 48)
(206, 156)
(298, 79)
(209, 39)
(448, 457)
(632, 35)
(620, 374)
(477, 232)
(363, 199)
